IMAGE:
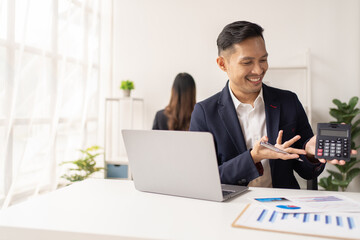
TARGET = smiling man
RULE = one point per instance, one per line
(247, 111)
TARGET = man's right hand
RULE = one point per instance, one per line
(259, 152)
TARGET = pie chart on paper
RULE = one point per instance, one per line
(288, 207)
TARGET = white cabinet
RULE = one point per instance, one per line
(120, 113)
(296, 78)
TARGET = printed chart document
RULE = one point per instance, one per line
(330, 225)
(301, 204)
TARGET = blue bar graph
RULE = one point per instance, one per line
(328, 219)
(342, 225)
(351, 222)
(339, 221)
(273, 217)
(344, 222)
(306, 217)
(262, 215)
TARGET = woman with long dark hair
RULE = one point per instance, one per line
(177, 114)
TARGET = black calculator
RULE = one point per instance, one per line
(333, 141)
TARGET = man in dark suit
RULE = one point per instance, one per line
(247, 111)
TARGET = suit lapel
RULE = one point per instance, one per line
(272, 113)
(228, 115)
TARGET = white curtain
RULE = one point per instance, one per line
(50, 90)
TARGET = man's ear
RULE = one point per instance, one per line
(220, 60)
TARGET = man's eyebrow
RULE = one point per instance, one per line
(247, 58)
(251, 58)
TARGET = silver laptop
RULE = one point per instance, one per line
(176, 163)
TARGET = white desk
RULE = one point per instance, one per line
(113, 209)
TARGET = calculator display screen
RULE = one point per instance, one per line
(337, 133)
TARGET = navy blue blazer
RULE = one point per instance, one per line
(283, 110)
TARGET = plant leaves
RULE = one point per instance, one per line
(352, 114)
(93, 148)
(345, 113)
(348, 165)
(354, 125)
(336, 114)
(86, 165)
(343, 183)
(323, 183)
(341, 168)
(352, 173)
(326, 183)
(336, 175)
(337, 103)
(352, 102)
(355, 132)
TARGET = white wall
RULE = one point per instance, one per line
(154, 40)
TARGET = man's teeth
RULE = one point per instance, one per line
(253, 79)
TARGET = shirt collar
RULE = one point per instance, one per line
(259, 99)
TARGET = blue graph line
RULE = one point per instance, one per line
(339, 221)
(273, 217)
(262, 215)
(351, 222)
(306, 217)
(327, 219)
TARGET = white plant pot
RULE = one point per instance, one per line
(126, 93)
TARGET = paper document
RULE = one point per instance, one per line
(301, 204)
(331, 225)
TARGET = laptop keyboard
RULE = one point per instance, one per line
(226, 192)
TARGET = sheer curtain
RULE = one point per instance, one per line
(50, 89)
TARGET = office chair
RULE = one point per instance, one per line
(312, 184)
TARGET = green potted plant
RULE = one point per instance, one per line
(344, 113)
(127, 86)
(85, 165)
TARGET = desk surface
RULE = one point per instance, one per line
(113, 209)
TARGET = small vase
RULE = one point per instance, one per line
(126, 93)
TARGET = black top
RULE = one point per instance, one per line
(160, 121)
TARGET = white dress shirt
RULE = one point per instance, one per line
(253, 125)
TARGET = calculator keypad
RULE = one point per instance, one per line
(338, 148)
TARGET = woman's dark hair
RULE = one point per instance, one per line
(237, 32)
(182, 101)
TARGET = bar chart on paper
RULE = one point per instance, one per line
(332, 225)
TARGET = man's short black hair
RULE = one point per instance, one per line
(237, 32)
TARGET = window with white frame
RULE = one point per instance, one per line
(49, 89)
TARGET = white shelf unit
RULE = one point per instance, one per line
(296, 78)
(120, 113)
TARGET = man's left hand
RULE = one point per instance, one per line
(310, 150)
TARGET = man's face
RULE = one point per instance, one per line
(245, 65)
